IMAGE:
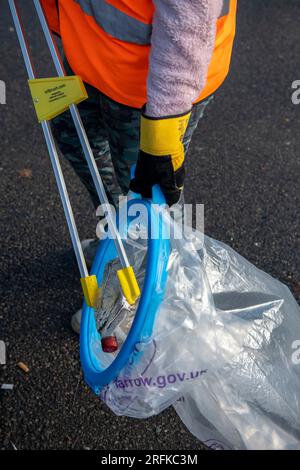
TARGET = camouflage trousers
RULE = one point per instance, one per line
(113, 130)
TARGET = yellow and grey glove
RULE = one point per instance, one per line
(161, 157)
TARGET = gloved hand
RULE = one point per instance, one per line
(161, 158)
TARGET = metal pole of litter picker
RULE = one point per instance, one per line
(84, 141)
(52, 150)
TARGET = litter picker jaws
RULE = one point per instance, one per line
(51, 97)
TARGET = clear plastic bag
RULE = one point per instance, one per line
(221, 351)
(253, 402)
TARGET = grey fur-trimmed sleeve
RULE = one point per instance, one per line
(182, 44)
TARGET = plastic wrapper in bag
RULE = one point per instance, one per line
(221, 350)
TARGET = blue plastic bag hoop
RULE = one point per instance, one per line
(95, 373)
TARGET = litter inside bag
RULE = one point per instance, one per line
(221, 350)
(113, 314)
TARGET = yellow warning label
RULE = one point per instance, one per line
(53, 96)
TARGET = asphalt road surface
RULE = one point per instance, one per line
(244, 166)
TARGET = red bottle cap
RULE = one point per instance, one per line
(109, 344)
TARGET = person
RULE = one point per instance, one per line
(150, 69)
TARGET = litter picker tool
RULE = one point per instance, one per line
(51, 97)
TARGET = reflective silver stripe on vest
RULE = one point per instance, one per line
(225, 8)
(116, 23)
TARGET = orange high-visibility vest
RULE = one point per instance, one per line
(107, 43)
